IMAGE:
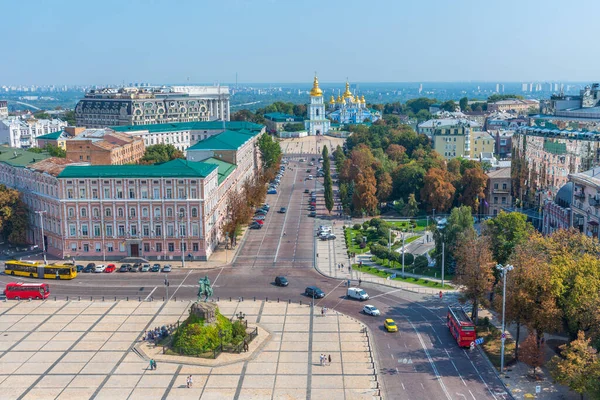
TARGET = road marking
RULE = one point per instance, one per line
(402, 383)
(460, 394)
(472, 395)
(392, 356)
(481, 377)
(389, 346)
(285, 218)
(452, 361)
(215, 281)
(431, 362)
(150, 294)
(180, 284)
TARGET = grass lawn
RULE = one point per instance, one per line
(421, 224)
(383, 274)
(430, 271)
(353, 246)
(492, 344)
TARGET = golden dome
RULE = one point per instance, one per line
(362, 99)
(316, 90)
(339, 99)
(347, 93)
(332, 100)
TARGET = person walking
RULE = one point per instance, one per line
(329, 358)
(154, 363)
(187, 382)
(151, 364)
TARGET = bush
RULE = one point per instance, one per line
(382, 241)
(357, 227)
(421, 262)
(362, 245)
(383, 232)
(365, 225)
(375, 222)
(408, 258)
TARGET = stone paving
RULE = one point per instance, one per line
(83, 350)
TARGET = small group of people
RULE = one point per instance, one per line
(152, 364)
(341, 266)
(156, 334)
(323, 311)
(325, 360)
(189, 382)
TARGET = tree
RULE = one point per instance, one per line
(407, 179)
(464, 104)
(160, 153)
(293, 127)
(54, 151)
(270, 151)
(238, 213)
(532, 352)
(13, 216)
(506, 231)
(437, 191)
(449, 105)
(578, 367)
(459, 225)
(364, 199)
(474, 270)
(69, 117)
(384, 186)
(42, 115)
(411, 208)
(472, 186)
(396, 152)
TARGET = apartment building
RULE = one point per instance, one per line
(585, 204)
(104, 147)
(497, 192)
(19, 132)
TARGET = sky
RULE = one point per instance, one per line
(176, 41)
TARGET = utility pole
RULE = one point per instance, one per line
(181, 244)
(504, 270)
(403, 250)
(443, 259)
(167, 287)
(41, 214)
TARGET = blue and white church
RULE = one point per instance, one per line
(347, 109)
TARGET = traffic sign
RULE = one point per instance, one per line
(479, 341)
(503, 335)
(538, 389)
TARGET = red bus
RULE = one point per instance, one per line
(461, 326)
(18, 291)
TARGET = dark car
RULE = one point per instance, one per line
(315, 292)
(282, 210)
(89, 268)
(312, 214)
(306, 191)
(281, 281)
(308, 171)
(135, 267)
(312, 208)
(155, 268)
(124, 268)
(261, 212)
(255, 225)
(79, 267)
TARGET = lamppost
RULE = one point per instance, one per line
(41, 214)
(181, 216)
(403, 250)
(503, 269)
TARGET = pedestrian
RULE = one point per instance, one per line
(359, 281)
(151, 364)
(322, 312)
(187, 382)
(329, 358)
(154, 362)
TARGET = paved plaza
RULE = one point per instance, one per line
(83, 350)
(310, 144)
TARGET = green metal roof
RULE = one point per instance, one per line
(282, 117)
(50, 136)
(172, 169)
(227, 140)
(20, 157)
(225, 168)
(190, 126)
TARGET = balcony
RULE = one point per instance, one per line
(501, 191)
(594, 201)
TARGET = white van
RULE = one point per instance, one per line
(357, 293)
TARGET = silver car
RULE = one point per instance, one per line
(371, 310)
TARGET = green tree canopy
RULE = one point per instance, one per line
(160, 153)
(269, 150)
(507, 230)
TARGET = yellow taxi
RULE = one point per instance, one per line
(390, 325)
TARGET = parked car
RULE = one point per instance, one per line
(166, 268)
(266, 206)
(99, 268)
(261, 212)
(79, 267)
(259, 217)
(135, 267)
(282, 210)
(390, 325)
(312, 208)
(312, 214)
(310, 177)
(145, 268)
(272, 191)
(313, 291)
(311, 163)
(313, 203)
(306, 191)
(371, 310)
(259, 221)
(110, 268)
(327, 236)
(308, 171)
(155, 268)
(255, 225)
(124, 268)
(89, 268)
(281, 281)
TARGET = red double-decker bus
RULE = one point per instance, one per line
(461, 326)
(20, 290)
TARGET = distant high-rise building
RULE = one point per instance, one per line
(523, 87)
(497, 88)
(420, 88)
(531, 87)
(3, 109)
(556, 87)
(144, 106)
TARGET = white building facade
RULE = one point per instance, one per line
(317, 123)
(22, 133)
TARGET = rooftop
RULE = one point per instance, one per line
(227, 140)
(20, 157)
(50, 136)
(225, 168)
(282, 117)
(190, 126)
(445, 122)
(172, 169)
(499, 173)
(559, 133)
(53, 165)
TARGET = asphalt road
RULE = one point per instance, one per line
(420, 361)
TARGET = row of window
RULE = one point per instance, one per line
(133, 230)
(144, 193)
(157, 247)
(108, 211)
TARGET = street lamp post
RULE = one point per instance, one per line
(181, 216)
(503, 269)
(41, 214)
(403, 250)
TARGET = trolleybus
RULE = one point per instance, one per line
(461, 326)
(34, 269)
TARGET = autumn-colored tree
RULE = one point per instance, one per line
(396, 152)
(437, 192)
(238, 213)
(474, 270)
(472, 186)
(578, 367)
(254, 191)
(364, 198)
(384, 186)
(532, 352)
(13, 216)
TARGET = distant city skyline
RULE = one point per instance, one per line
(78, 43)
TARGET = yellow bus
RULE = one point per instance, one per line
(34, 269)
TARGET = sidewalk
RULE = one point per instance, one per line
(517, 377)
